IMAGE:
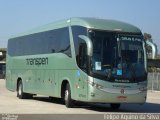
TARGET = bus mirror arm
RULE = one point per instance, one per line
(89, 44)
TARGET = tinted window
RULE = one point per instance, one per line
(79, 44)
(76, 31)
(54, 41)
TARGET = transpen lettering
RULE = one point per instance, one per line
(37, 61)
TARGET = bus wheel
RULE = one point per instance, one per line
(115, 106)
(20, 93)
(67, 97)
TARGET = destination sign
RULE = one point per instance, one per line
(130, 38)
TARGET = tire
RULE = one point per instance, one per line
(20, 93)
(67, 97)
(115, 106)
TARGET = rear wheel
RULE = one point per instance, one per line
(67, 97)
(115, 106)
(20, 93)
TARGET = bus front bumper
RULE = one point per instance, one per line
(117, 96)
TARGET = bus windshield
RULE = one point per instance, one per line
(118, 58)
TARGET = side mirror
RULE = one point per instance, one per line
(154, 49)
(88, 43)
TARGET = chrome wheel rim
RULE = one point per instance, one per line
(20, 89)
(66, 95)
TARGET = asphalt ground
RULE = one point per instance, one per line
(10, 104)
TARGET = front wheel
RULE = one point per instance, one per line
(67, 97)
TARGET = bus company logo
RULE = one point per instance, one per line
(37, 61)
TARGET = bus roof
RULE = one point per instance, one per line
(94, 23)
(105, 24)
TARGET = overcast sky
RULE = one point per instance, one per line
(17, 16)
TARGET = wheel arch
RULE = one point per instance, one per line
(63, 87)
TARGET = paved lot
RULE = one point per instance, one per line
(9, 103)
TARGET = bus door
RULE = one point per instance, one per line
(83, 77)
